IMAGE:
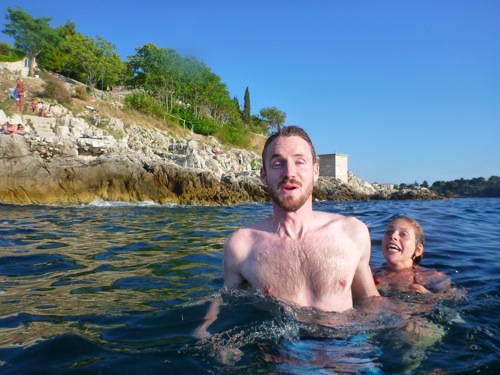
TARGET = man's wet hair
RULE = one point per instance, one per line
(288, 131)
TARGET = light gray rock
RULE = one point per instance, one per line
(103, 159)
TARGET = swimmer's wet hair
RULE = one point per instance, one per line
(419, 233)
(288, 131)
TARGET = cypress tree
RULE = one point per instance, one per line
(246, 107)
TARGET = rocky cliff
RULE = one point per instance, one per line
(77, 158)
(66, 170)
(73, 170)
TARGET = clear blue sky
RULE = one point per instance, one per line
(410, 90)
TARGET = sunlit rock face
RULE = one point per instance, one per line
(72, 160)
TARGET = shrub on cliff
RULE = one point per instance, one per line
(142, 101)
(8, 54)
(56, 89)
(4, 49)
(81, 93)
(234, 134)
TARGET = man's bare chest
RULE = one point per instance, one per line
(292, 268)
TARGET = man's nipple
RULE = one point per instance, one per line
(342, 283)
(269, 291)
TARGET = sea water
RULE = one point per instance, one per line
(119, 289)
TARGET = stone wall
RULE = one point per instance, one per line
(20, 68)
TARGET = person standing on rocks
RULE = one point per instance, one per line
(301, 257)
(20, 93)
(240, 161)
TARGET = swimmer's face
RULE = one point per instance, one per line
(290, 172)
(399, 245)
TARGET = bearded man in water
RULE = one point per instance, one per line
(302, 257)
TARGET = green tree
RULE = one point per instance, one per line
(259, 125)
(236, 103)
(97, 59)
(31, 35)
(55, 58)
(211, 99)
(246, 107)
(185, 86)
(127, 74)
(274, 117)
(158, 72)
(475, 187)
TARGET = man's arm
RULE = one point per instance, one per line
(232, 261)
(363, 284)
(201, 332)
(232, 279)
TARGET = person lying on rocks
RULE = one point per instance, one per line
(9, 129)
(20, 130)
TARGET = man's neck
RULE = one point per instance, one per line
(293, 225)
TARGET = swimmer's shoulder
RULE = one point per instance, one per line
(347, 221)
(345, 229)
(249, 234)
(430, 275)
(379, 271)
(328, 218)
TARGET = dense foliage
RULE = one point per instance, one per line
(274, 117)
(55, 58)
(181, 87)
(31, 35)
(476, 187)
(8, 54)
(94, 58)
(168, 86)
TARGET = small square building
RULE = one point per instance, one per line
(333, 165)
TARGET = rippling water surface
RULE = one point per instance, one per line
(117, 289)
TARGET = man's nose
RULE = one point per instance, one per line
(290, 170)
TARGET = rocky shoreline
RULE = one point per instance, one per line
(79, 169)
(81, 158)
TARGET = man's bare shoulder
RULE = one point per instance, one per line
(346, 223)
(346, 230)
(247, 235)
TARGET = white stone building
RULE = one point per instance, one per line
(334, 165)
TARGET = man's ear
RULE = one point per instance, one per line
(316, 171)
(263, 177)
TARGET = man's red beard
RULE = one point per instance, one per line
(289, 203)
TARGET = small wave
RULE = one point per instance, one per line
(99, 202)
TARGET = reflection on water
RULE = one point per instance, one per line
(119, 288)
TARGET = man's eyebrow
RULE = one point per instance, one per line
(299, 154)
